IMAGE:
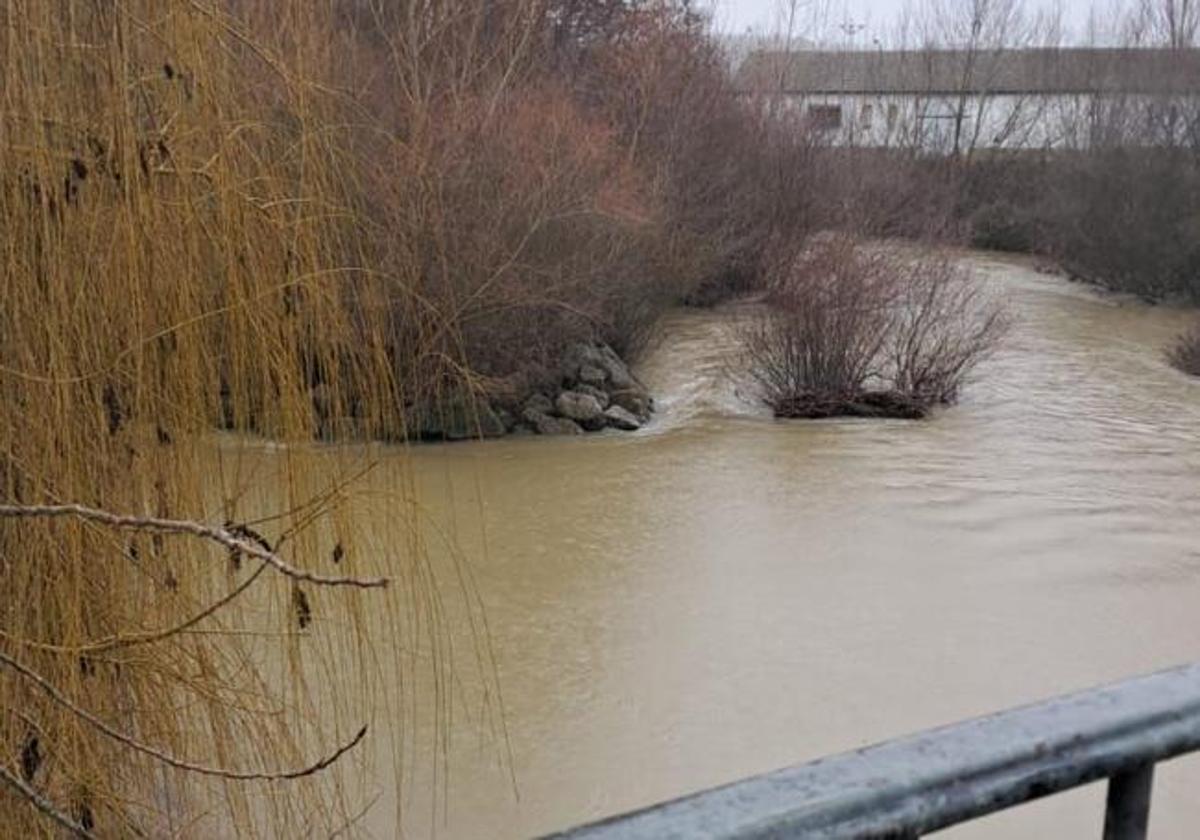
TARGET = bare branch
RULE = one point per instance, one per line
(234, 775)
(44, 805)
(222, 536)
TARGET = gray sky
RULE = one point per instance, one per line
(877, 15)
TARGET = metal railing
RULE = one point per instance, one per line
(936, 779)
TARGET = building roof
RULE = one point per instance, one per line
(1027, 71)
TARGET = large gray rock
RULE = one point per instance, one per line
(580, 407)
(579, 356)
(539, 403)
(598, 365)
(619, 418)
(600, 394)
(455, 418)
(593, 375)
(634, 400)
(544, 424)
(619, 377)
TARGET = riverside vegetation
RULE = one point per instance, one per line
(300, 221)
(1114, 201)
(352, 221)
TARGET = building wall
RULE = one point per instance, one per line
(943, 124)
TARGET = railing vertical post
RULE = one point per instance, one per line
(1128, 812)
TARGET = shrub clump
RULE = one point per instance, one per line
(1185, 353)
(852, 331)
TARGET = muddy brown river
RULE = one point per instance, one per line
(723, 594)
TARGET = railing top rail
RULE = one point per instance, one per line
(945, 776)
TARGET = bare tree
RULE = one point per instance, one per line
(965, 44)
(1170, 23)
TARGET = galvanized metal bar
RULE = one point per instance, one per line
(1128, 812)
(930, 781)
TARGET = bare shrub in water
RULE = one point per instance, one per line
(824, 333)
(1185, 353)
(942, 326)
(859, 331)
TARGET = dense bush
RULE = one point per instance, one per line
(1001, 226)
(1129, 218)
(594, 174)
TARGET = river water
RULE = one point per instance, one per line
(724, 594)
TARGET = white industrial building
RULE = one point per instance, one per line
(957, 101)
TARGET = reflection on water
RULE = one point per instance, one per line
(723, 594)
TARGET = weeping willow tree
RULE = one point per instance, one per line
(188, 626)
(233, 231)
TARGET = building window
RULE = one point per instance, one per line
(893, 114)
(865, 115)
(825, 117)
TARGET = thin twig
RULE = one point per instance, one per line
(132, 639)
(166, 758)
(129, 640)
(176, 526)
(44, 805)
(119, 641)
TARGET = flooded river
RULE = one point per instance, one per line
(724, 594)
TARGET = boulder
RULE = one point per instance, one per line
(544, 424)
(592, 375)
(539, 403)
(584, 409)
(455, 418)
(579, 356)
(596, 364)
(529, 417)
(619, 377)
(619, 418)
(634, 400)
(506, 419)
(600, 394)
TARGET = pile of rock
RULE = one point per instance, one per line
(598, 392)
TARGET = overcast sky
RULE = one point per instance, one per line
(877, 16)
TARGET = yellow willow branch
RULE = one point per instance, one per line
(234, 775)
(44, 805)
(131, 639)
(223, 536)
